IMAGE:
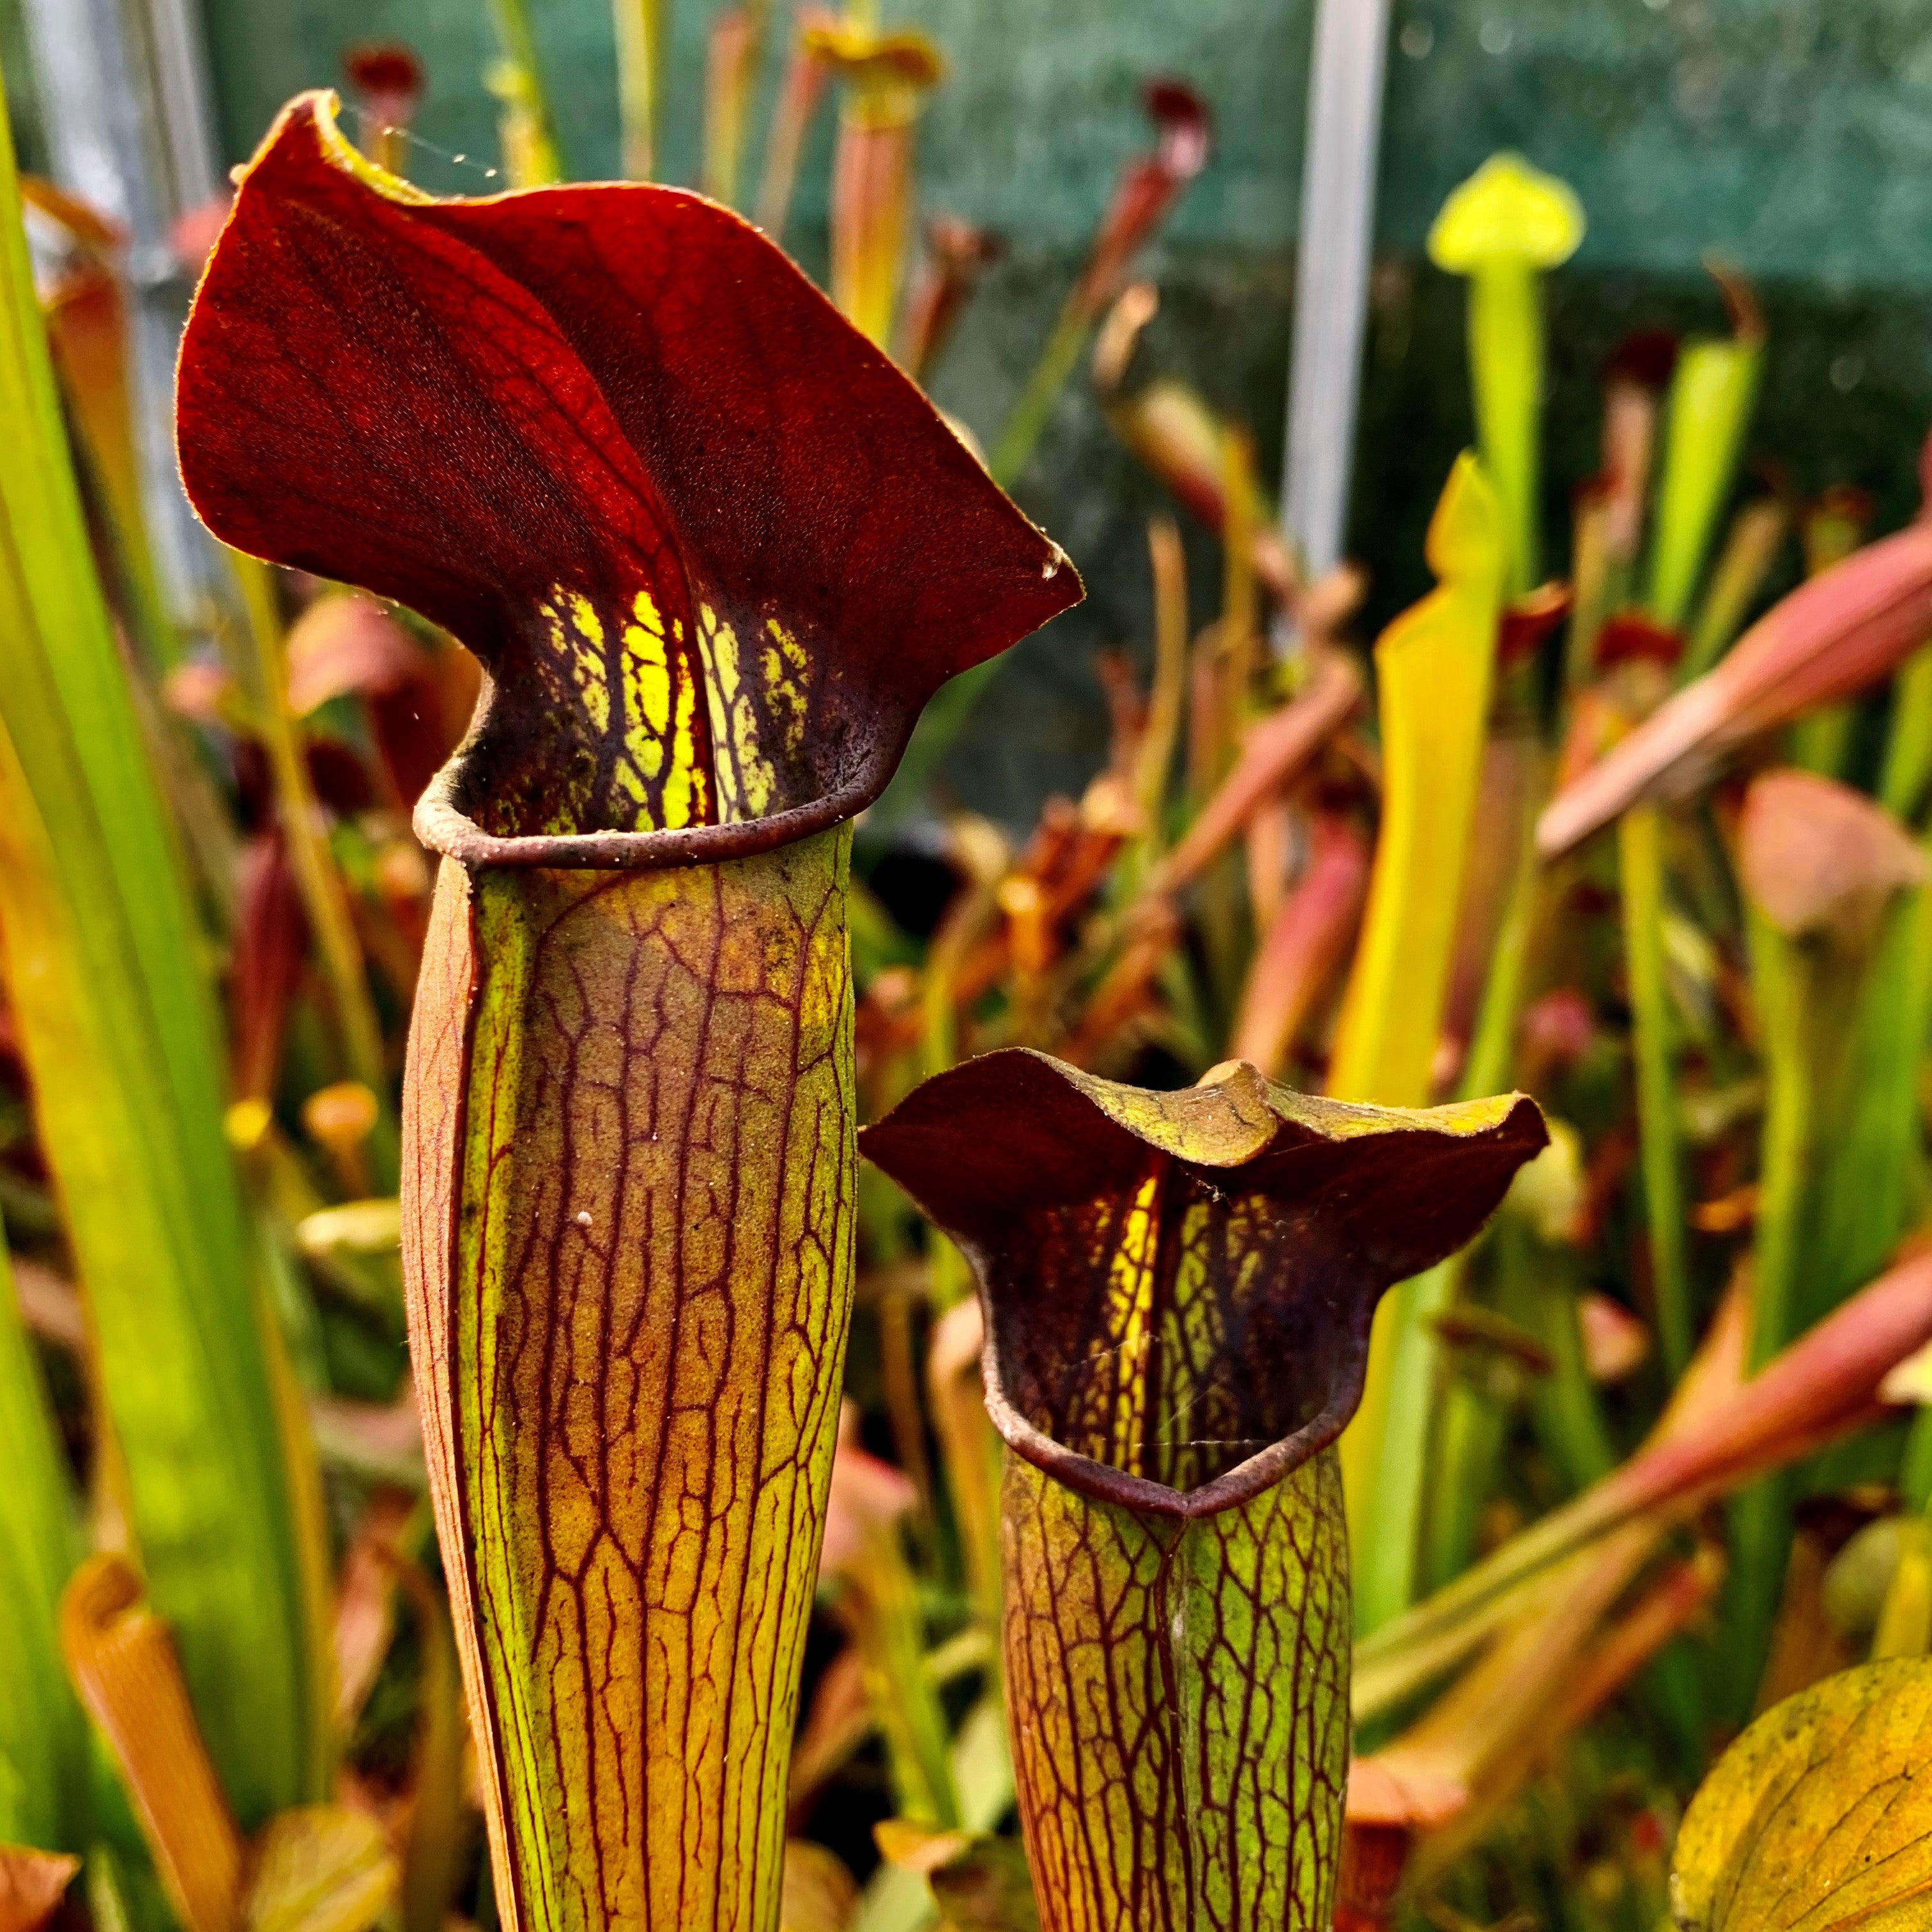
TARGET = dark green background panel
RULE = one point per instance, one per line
(1793, 136)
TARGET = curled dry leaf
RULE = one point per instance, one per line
(1274, 752)
(1818, 858)
(123, 1663)
(1820, 1817)
(1177, 1289)
(715, 553)
(1126, 1002)
(1833, 636)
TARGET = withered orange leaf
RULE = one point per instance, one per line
(32, 1884)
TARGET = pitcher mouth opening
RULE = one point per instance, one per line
(1101, 1482)
(443, 820)
(1342, 1376)
(1178, 1289)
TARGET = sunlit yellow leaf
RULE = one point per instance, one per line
(1434, 664)
(319, 1868)
(1819, 1819)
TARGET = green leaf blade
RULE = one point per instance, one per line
(106, 978)
(43, 1746)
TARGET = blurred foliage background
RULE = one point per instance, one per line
(1787, 139)
(1791, 136)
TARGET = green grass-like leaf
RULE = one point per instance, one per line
(42, 1747)
(108, 988)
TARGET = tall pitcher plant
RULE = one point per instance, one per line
(1177, 1289)
(716, 553)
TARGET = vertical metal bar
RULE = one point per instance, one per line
(180, 68)
(1331, 288)
(90, 110)
(124, 90)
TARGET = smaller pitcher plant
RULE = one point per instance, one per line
(1177, 1290)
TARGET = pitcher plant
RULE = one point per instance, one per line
(714, 553)
(1177, 1290)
